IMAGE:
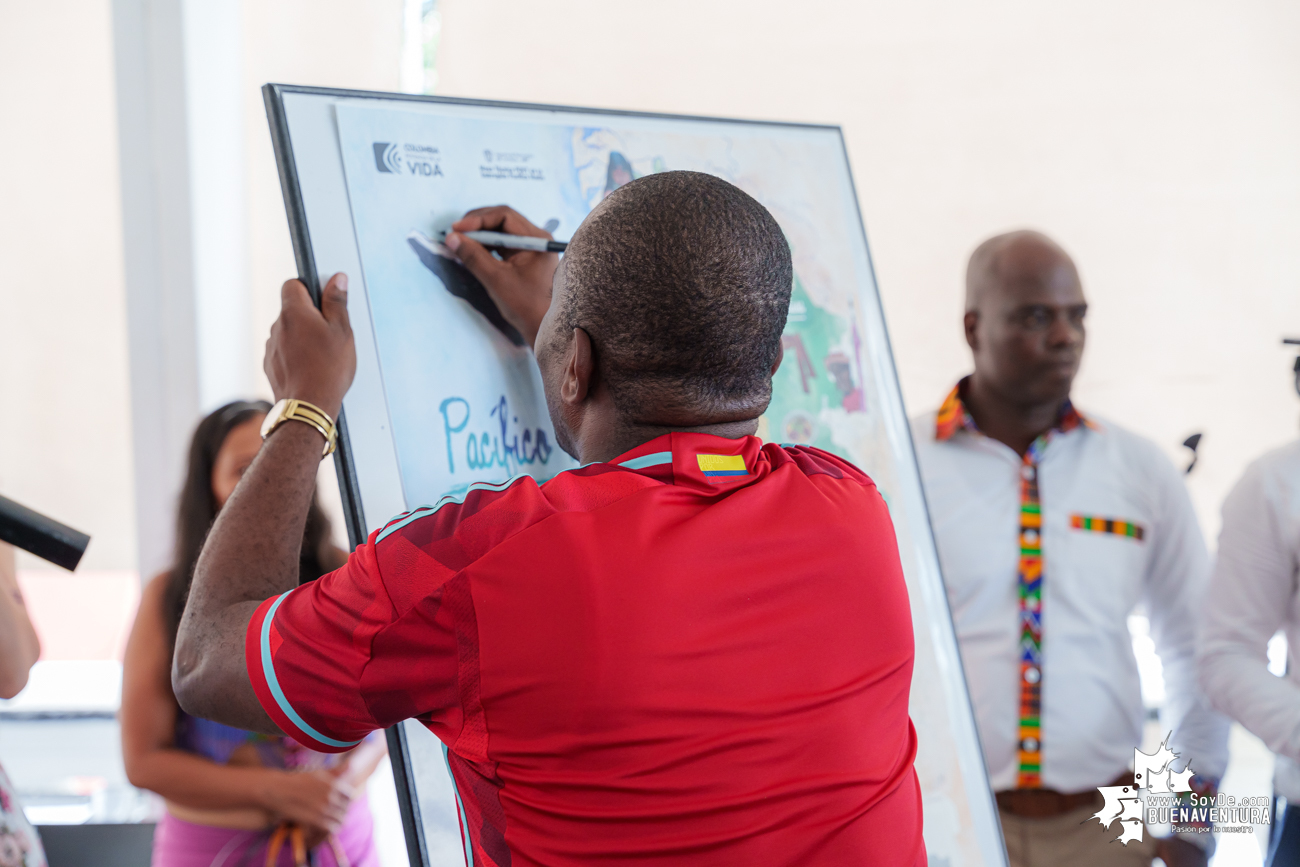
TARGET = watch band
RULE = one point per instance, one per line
(291, 409)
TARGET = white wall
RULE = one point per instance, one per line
(206, 240)
(1157, 142)
(202, 182)
(65, 431)
(329, 43)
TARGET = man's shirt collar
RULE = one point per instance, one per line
(708, 463)
(953, 415)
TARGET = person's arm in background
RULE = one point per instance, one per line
(1254, 579)
(1174, 595)
(363, 761)
(19, 646)
(317, 799)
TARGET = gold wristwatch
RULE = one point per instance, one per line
(300, 410)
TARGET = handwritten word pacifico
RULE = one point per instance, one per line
(509, 446)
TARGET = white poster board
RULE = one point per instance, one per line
(446, 394)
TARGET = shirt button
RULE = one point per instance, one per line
(1031, 534)
(1027, 471)
(1029, 745)
(1032, 675)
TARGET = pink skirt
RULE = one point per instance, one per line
(177, 843)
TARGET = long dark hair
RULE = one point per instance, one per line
(198, 509)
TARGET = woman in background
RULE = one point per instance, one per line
(227, 790)
(19, 648)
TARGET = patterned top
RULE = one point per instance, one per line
(218, 742)
(19, 844)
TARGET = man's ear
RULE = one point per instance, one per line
(780, 355)
(969, 323)
(579, 368)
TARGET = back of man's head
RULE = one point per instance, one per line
(683, 282)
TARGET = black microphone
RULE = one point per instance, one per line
(42, 536)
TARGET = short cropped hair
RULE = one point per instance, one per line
(683, 282)
(985, 265)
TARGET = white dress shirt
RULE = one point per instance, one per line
(1253, 594)
(1092, 712)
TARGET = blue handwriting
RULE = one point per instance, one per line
(508, 447)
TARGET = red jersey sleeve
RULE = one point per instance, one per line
(307, 650)
(349, 653)
(390, 636)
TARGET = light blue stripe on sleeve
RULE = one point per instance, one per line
(400, 522)
(426, 511)
(644, 461)
(268, 671)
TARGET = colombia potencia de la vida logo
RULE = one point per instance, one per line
(1172, 799)
(406, 158)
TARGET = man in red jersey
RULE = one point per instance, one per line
(694, 649)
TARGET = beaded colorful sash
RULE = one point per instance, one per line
(1030, 592)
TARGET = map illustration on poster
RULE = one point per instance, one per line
(461, 397)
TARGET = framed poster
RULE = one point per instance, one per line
(447, 395)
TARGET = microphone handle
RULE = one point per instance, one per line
(42, 536)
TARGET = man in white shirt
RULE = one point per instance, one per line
(1051, 529)
(1254, 593)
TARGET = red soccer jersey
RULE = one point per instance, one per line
(698, 653)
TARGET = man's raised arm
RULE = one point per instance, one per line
(252, 552)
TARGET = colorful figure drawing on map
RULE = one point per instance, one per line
(821, 372)
(619, 173)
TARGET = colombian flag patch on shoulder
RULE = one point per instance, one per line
(722, 465)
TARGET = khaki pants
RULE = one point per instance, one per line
(1072, 839)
